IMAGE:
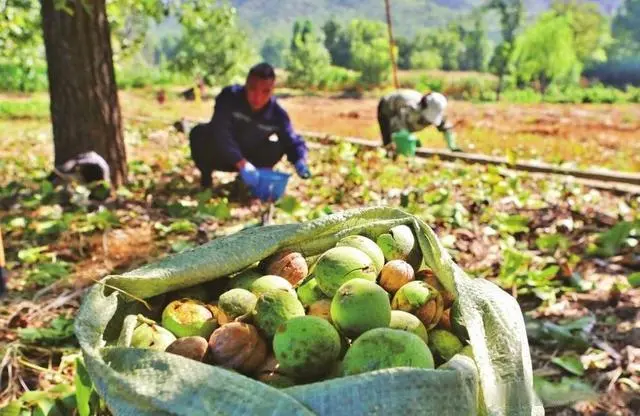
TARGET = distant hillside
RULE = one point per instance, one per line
(266, 17)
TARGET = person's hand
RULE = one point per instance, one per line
(302, 169)
(249, 175)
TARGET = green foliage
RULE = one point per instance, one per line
(212, 45)
(552, 242)
(591, 30)
(87, 399)
(546, 52)
(567, 391)
(59, 331)
(21, 47)
(618, 72)
(477, 50)
(610, 242)
(425, 59)
(129, 22)
(511, 15)
(626, 30)
(337, 42)
(338, 78)
(574, 94)
(370, 51)
(405, 47)
(501, 62)
(308, 59)
(446, 43)
(273, 51)
(136, 74)
(33, 108)
(57, 401)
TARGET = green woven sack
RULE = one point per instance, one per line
(145, 382)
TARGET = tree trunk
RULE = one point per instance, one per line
(500, 84)
(85, 111)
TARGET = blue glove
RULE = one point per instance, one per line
(302, 169)
(249, 175)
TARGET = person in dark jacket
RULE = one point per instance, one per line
(248, 130)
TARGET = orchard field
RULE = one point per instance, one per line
(569, 253)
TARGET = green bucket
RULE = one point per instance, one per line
(406, 143)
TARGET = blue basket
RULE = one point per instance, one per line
(271, 184)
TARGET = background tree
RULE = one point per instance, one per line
(370, 51)
(476, 48)
(626, 30)
(85, 111)
(546, 52)
(212, 45)
(437, 48)
(590, 28)
(21, 42)
(511, 14)
(273, 51)
(405, 47)
(337, 42)
(308, 59)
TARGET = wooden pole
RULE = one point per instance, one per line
(391, 45)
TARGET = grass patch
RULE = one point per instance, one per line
(15, 109)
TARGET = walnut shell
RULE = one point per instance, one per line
(287, 264)
(269, 373)
(190, 347)
(445, 320)
(237, 346)
(395, 274)
(427, 276)
(321, 308)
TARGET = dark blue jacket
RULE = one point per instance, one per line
(262, 138)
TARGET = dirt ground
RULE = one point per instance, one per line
(601, 135)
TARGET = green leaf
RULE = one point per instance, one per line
(12, 409)
(609, 243)
(571, 363)
(178, 210)
(50, 227)
(513, 262)
(59, 331)
(222, 210)
(32, 255)
(543, 276)
(634, 279)
(511, 224)
(84, 387)
(568, 391)
(180, 227)
(44, 407)
(204, 196)
(571, 334)
(47, 273)
(103, 219)
(551, 242)
(17, 223)
(436, 197)
(289, 204)
(181, 245)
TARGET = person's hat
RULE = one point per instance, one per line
(435, 104)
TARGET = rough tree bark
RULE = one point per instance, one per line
(85, 111)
